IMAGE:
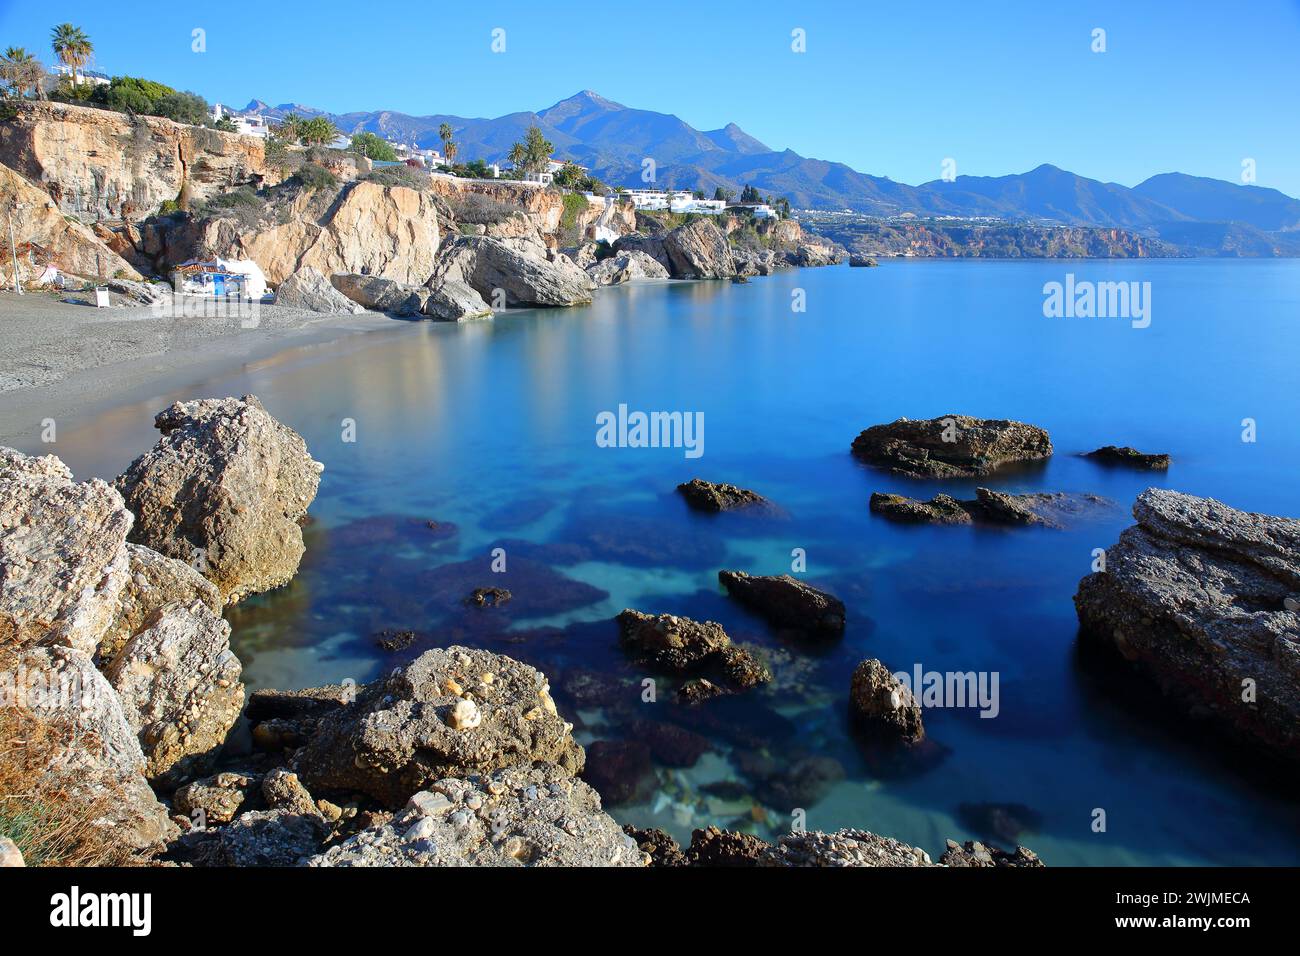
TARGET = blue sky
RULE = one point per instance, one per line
(890, 89)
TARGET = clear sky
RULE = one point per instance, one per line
(891, 89)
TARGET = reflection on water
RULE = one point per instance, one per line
(487, 431)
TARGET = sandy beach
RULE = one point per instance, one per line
(56, 357)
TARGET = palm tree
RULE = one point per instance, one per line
(22, 71)
(72, 47)
(449, 147)
(289, 129)
(318, 131)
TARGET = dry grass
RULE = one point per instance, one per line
(44, 809)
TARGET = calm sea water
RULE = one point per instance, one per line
(491, 427)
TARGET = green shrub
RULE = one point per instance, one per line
(183, 107)
(399, 176)
(311, 176)
(372, 147)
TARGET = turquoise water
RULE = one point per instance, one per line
(491, 427)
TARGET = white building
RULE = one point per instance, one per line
(93, 77)
(674, 201)
(759, 210)
(254, 125)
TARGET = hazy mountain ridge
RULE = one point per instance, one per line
(614, 140)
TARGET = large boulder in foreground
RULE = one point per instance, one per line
(787, 603)
(699, 250)
(450, 712)
(1205, 600)
(523, 277)
(179, 686)
(153, 581)
(516, 817)
(453, 301)
(951, 446)
(309, 290)
(224, 490)
(63, 556)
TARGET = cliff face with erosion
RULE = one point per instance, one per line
(98, 164)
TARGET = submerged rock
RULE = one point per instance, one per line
(400, 734)
(952, 446)
(707, 496)
(680, 645)
(308, 289)
(224, 490)
(987, 507)
(514, 817)
(882, 705)
(1113, 455)
(1205, 600)
(787, 602)
(620, 770)
(1005, 821)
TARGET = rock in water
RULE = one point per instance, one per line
(455, 302)
(1201, 598)
(625, 266)
(63, 556)
(951, 446)
(223, 490)
(987, 507)
(487, 265)
(379, 294)
(515, 817)
(399, 736)
(975, 854)
(786, 602)
(308, 289)
(707, 496)
(862, 262)
(882, 705)
(699, 250)
(680, 645)
(179, 686)
(1113, 455)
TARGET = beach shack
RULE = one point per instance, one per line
(222, 279)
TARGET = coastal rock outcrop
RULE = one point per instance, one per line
(153, 581)
(523, 278)
(708, 496)
(624, 267)
(179, 688)
(308, 289)
(449, 712)
(1205, 600)
(101, 164)
(63, 557)
(699, 250)
(987, 507)
(1127, 455)
(786, 602)
(224, 490)
(972, 853)
(510, 817)
(883, 706)
(652, 246)
(63, 242)
(951, 446)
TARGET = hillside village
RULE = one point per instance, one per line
(129, 184)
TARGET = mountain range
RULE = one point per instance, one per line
(1203, 215)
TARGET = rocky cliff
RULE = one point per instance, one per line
(98, 164)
